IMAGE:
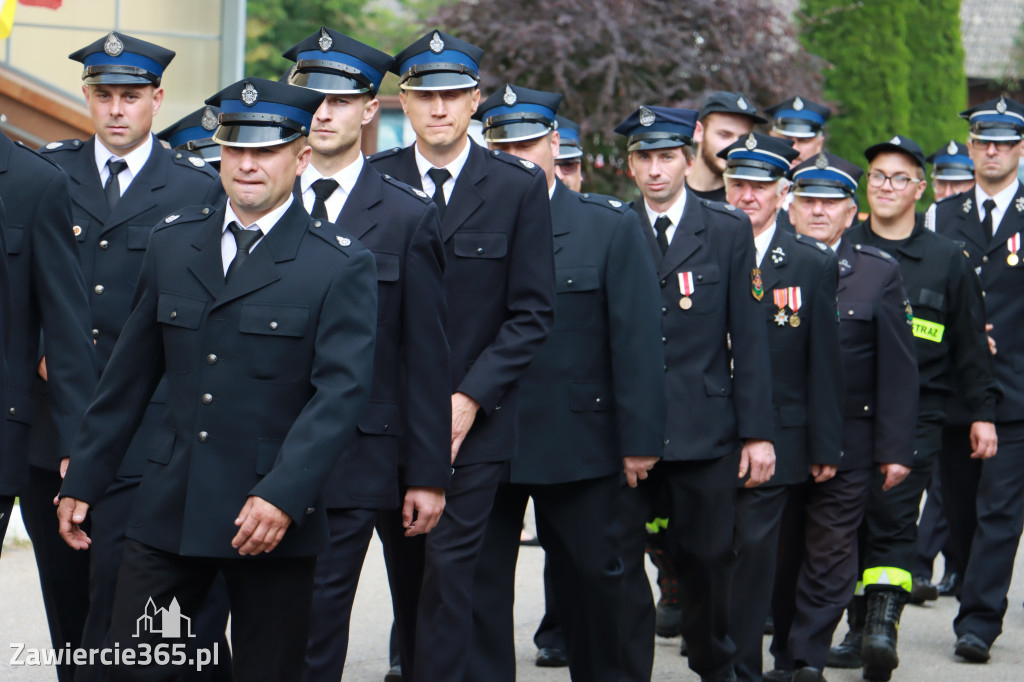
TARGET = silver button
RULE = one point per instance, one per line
(98, 289)
(984, 259)
(12, 411)
(569, 282)
(207, 398)
(480, 250)
(203, 436)
(211, 359)
(273, 324)
(104, 244)
(205, 211)
(849, 312)
(597, 400)
(178, 155)
(174, 314)
(95, 333)
(867, 408)
(664, 339)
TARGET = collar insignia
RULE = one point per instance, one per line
(1019, 204)
(615, 203)
(778, 255)
(171, 218)
(967, 205)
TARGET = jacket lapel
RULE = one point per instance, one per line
(652, 243)
(774, 260)
(138, 198)
(1012, 222)
(685, 241)
(561, 214)
(81, 171)
(846, 260)
(466, 197)
(356, 217)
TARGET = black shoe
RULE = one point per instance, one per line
(394, 675)
(777, 675)
(808, 674)
(847, 654)
(551, 657)
(972, 648)
(949, 585)
(923, 591)
(881, 625)
(668, 620)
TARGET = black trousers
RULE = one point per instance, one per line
(576, 526)
(6, 506)
(756, 542)
(816, 569)
(550, 634)
(270, 603)
(334, 590)
(999, 500)
(702, 496)
(959, 477)
(933, 532)
(431, 576)
(63, 572)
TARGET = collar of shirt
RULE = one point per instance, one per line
(455, 167)
(762, 242)
(346, 179)
(228, 247)
(135, 159)
(835, 247)
(551, 190)
(675, 214)
(1002, 199)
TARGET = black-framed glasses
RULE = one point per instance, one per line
(899, 181)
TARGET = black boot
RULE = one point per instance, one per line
(878, 651)
(847, 654)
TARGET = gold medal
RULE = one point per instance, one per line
(686, 303)
(794, 320)
(1012, 260)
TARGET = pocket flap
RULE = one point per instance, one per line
(387, 266)
(705, 273)
(180, 311)
(381, 419)
(138, 236)
(853, 310)
(274, 319)
(161, 446)
(589, 396)
(21, 407)
(568, 280)
(717, 388)
(15, 237)
(480, 244)
(792, 415)
(926, 298)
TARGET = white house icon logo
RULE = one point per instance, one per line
(168, 623)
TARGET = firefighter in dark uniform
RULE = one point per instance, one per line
(802, 122)
(799, 276)
(724, 118)
(123, 182)
(720, 425)
(569, 162)
(194, 134)
(592, 407)
(985, 499)
(950, 337)
(817, 568)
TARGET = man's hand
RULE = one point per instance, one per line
(757, 457)
(822, 472)
(894, 475)
(42, 368)
(422, 510)
(261, 526)
(984, 442)
(64, 461)
(636, 468)
(70, 517)
(991, 341)
(464, 411)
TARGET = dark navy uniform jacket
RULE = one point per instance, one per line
(710, 409)
(595, 393)
(112, 246)
(879, 359)
(410, 401)
(48, 296)
(957, 217)
(499, 282)
(266, 376)
(806, 363)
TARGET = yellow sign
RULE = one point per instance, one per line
(930, 331)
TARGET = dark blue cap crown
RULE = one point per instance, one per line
(757, 157)
(438, 61)
(333, 63)
(255, 112)
(952, 162)
(658, 128)
(117, 59)
(798, 117)
(827, 176)
(569, 144)
(514, 113)
(900, 144)
(725, 102)
(194, 133)
(997, 120)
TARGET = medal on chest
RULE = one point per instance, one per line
(781, 298)
(795, 302)
(1013, 246)
(686, 289)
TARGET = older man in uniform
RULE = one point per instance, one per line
(399, 224)
(719, 426)
(592, 407)
(799, 277)
(263, 320)
(985, 499)
(122, 183)
(950, 340)
(499, 282)
(817, 566)
(724, 118)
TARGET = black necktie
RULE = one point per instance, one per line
(322, 188)
(661, 226)
(439, 177)
(986, 225)
(112, 187)
(244, 239)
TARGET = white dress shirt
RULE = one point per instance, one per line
(762, 242)
(346, 179)
(1002, 199)
(455, 167)
(675, 214)
(136, 159)
(228, 246)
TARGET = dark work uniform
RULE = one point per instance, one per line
(817, 560)
(111, 244)
(710, 195)
(985, 500)
(410, 404)
(593, 395)
(711, 411)
(499, 284)
(807, 398)
(949, 336)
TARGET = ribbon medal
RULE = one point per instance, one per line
(781, 297)
(756, 285)
(1013, 246)
(795, 301)
(686, 289)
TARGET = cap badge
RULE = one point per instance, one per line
(615, 203)
(510, 97)
(798, 104)
(742, 104)
(967, 205)
(951, 149)
(325, 41)
(1001, 105)
(196, 161)
(821, 163)
(249, 94)
(646, 117)
(113, 46)
(436, 44)
(344, 241)
(895, 140)
(751, 142)
(209, 121)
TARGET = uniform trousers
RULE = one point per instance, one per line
(817, 568)
(959, 477)
(550, 633)
(933, 533)
(576, 526)
(702, 496)
(6, 506)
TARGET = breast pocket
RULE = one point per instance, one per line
(388, 289)
(479, 263)
(273, 346)
(579, 297)
(179, 316)
(707, 297)
(14, 235)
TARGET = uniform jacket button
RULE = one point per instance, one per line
(480, 250)
(95, 333)
(310, 510)
(98, 289)
(104, 244)
(211, 359)
(174, 314)
(12, 411)
(569, 282)
(273, 324)
(203, 436)
(664, 283)
(207, 398)
(984, 259)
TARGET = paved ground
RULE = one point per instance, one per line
(926, 639)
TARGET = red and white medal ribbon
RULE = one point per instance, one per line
(686, 283)
(795, 300)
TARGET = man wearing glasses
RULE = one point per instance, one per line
(943, 295)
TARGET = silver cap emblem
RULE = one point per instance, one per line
(436, 44)
(249, 94)
(113, 46)
(798, 104)
(646, 117)
(895, 140)
(751, 142)
(510, 97)
(325, 41)
(951, 149)
(821, 163)
(209, 121)
(1001, 105)
(344, 241)
(742, 104)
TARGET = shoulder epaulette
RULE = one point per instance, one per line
(720, 207)
(67, 145)
(334, 234)
(415, 191)
(189, 214)
(32, 150)
(384, 154)
(606, 201)
(513, 160)
(811, 242)
(189, 160)
(872, 251)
